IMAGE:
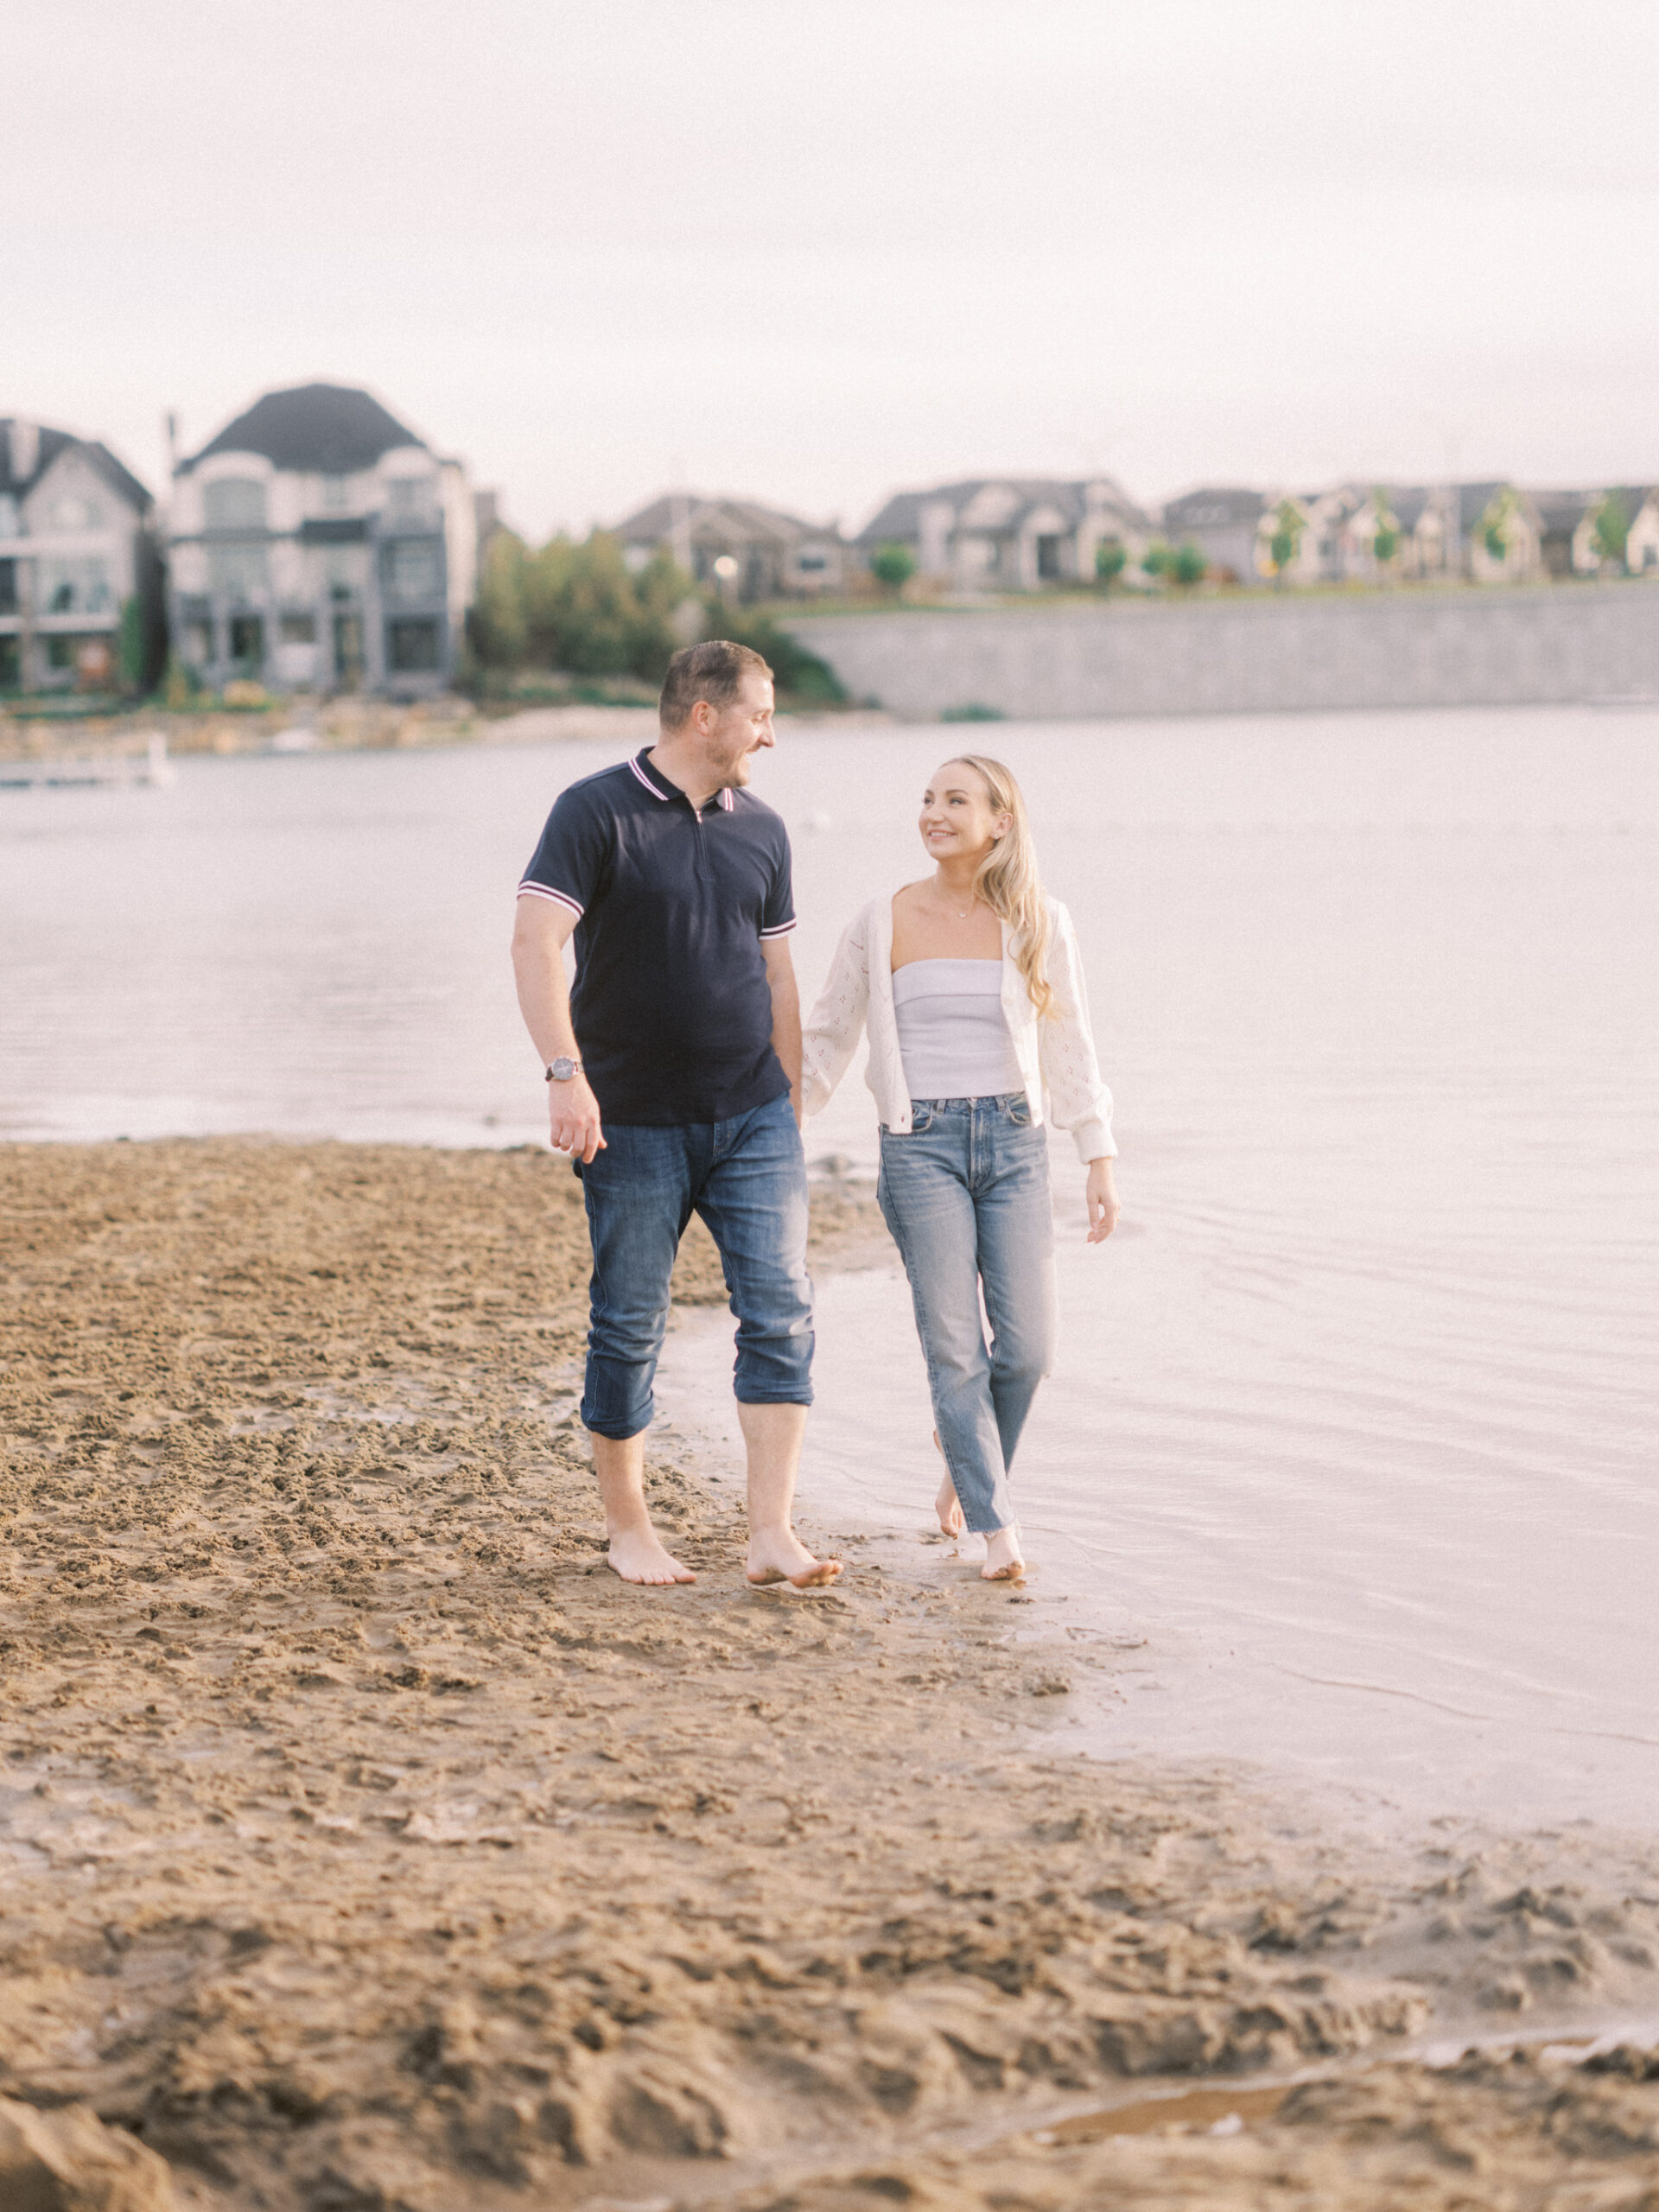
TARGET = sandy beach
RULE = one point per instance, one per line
(368, 1845)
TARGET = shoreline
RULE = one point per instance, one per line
(369, 1844)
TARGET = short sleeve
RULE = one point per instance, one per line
(568, 864)
(777, 914)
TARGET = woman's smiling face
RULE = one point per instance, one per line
(957, 821)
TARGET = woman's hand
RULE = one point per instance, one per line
(1101, 1194)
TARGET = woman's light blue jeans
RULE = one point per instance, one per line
(966, 1196)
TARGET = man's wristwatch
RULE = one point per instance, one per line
(563, 1070)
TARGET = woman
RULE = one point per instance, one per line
(971, 988)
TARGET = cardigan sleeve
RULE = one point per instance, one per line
(830, 1037)
(1078, 1100)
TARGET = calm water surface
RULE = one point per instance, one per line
(1356, 1421)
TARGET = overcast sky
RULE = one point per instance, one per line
(816, 249)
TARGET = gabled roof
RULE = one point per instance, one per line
(901, 517)
(1565, 510)
(1214, 507)
(327, 430)
(119, 478)
(714, 517)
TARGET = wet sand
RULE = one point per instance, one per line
(367, 1844)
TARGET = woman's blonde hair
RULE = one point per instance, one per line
(1008, 883)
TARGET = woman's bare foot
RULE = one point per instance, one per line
(1004, 1560)
(947, 1504)
(637, 1555)
(778, 1555)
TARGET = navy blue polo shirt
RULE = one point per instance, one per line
(671, 1005)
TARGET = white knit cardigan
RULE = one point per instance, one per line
(1057, 1054)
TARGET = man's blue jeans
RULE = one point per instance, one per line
(747, 1177)
(966, 1196)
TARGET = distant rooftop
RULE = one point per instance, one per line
(328, 430)
(46, 446)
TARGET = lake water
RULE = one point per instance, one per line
(1355, 1432)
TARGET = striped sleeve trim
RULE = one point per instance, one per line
(779, 929)
(528, 890)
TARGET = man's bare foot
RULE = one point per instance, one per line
(778, 1555)
(637, 1555)
(1004, 1560)
(947, 1504)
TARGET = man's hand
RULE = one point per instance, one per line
(1101, 1194)
(572, 1118)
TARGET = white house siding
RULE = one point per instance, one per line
(360, 577)
(73, 544)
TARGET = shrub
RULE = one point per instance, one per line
(1156, 561)
(1187, 564)
(893, 566)
(1110, 560)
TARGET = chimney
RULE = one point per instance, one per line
(25, 442)
(171, 422)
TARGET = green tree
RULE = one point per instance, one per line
(1612, 529)
(1110, 560)
(1289, 523)
(575, 608)
(1187, 564)
(132, 651)
(893, 566)
(495, 624)
(1386, 541)
(1495, 523)
(1156, 561)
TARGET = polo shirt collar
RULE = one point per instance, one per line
(660, 786)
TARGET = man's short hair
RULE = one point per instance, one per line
(713, 670)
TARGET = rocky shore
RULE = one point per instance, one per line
(366, 1845)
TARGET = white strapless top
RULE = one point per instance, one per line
(953, 1038)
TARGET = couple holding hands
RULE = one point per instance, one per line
(677, 1072)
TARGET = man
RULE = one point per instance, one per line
(673, 1074)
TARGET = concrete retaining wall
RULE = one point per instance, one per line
(1261, 654)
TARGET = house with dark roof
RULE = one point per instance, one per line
(317, 543)
(737, 547)
(1571, 537)
(76, 548)
(1008, 533)
(1223, 522)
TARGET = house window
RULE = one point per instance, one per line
(237, 571)
(12, 520)
(1048, 559)
(336, 495)
(234, 502)
(8, 587)
(412, 647)
(410, 497)
(248, 639)
(11, 665)
(812, 564)
(75, 588)
(414, 570)
(298, 630)
(198, 642)
(75, 514)
(59, 652)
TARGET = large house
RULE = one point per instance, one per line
(1010, 533)
(737, 547)
(75, 550)
(318, 543)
